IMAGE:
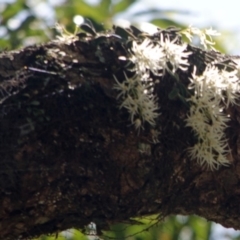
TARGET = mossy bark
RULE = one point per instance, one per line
(70, 156)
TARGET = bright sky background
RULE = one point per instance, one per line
(216, 12)
(221, 15)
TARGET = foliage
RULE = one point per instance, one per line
(173, 228)
(27, 22)
(22, 24)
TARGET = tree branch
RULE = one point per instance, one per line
(70, 155)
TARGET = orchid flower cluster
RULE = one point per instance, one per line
(66, 36)
(213, 90)
(136, 93)
(205, 36)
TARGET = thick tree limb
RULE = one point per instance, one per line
(70, 156)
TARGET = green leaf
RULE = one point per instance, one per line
(4, 44)
(122, 6)
(12, 9)
(88, 27)
(104, 7)
(165, 23)
(35, 103)
(173, 94)
(124, 33)
(81, 7)
(159, 12)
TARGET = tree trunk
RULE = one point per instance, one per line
(70, 153)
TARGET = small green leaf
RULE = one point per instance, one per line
(88, 27)
(122, 5)
(35, 103)
(124, 33)
(173, 94)
(104, 6)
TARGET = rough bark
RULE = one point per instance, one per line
(70, 156)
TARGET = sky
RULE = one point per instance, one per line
(219, 14)
(222, 13)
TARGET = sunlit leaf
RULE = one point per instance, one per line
(122, 5)
(104, 7)
(12, 9)
(165, 23)
(160, 12)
